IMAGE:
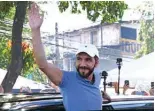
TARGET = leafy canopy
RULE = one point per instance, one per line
(107, 11)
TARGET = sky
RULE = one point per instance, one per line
(67, 21)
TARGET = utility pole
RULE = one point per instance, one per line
(101, 35)
(57, 45)
(63, 39)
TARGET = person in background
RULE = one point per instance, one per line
(140, 89)
(115, 84)
(125, 88)
(151, 91)
(1, 89)
(144, 93)
(25, 89)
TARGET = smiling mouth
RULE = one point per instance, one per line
(83, 69)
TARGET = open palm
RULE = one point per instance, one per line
(35, 19)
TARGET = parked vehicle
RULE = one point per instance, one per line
(53, 102)
(48, 90)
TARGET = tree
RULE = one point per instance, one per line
(7, 11)
(5, 55)
(16, 52)
(28, 57)
(146, 34)
(6, 23)
(5, 8)
(30, 69)
(146, 38)
(108, 11)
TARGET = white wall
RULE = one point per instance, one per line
(110, 33)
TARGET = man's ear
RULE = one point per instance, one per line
(96, 62)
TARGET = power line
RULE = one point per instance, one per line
(105, 46)
(60, 45)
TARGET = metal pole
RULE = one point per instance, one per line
(56, 41)
(118, 62)
(101, 35)
(104, 75)
(118, 79)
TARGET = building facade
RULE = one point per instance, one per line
(117, 40)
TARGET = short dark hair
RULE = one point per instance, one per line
(96, 58)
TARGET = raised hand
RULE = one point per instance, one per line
(35, 19)
(125, 88)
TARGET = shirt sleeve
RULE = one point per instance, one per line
(98, 78)
(65, 79)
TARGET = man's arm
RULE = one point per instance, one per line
(35, 21)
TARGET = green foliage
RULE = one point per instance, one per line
(5, 28)
(146, 38)
(146, 34)
(28, 58)
(29, 65)
(37, 75)
(6, 21)
(6, 16)
(108, 11)
(5, 57)
(5, 8)
(5, 53)
(11, 13)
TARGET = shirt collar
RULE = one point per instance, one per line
(85, 80)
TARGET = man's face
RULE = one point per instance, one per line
(85, 64)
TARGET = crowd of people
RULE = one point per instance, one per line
(139, 89)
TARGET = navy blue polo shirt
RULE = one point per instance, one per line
(79, 93)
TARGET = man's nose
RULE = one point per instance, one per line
(83, 63)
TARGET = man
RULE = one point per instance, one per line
(80, 89)
(151, 92)
(138, 90)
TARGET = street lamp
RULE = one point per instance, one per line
(104, 75)
(119, 63)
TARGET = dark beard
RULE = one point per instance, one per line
(85, 75)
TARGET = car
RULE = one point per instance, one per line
(54, 102)
(48, 90)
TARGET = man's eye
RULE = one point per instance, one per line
(78, 58)
(88, 59)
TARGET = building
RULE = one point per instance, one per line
(117, 40)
